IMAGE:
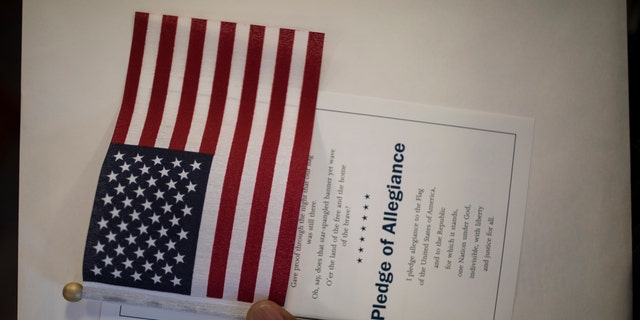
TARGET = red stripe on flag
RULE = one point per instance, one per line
(233, 175)
(219, 88)
(264, 178)
(297, 169)
(160, 81)
(189, 85)
(133, 77)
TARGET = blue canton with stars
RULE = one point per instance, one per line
(146, 217)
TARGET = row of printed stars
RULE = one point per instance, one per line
(363, 229)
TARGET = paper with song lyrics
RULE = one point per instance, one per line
(409, 212)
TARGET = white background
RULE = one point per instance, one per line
(561, 62)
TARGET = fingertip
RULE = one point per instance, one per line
(268, 310)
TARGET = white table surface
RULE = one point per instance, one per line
(561, 62)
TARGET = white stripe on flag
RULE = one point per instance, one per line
(281, 170)
(297, 68)
(219, 165)
(252, 159)
(276, 201)
(245, 195)
(236, 77)
(146, 79)
(268, 66)
(203, 98)
(178, 65)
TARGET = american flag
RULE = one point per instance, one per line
(200, 190)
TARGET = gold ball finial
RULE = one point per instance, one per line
(72, 292)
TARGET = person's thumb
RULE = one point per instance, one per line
(268, 310)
